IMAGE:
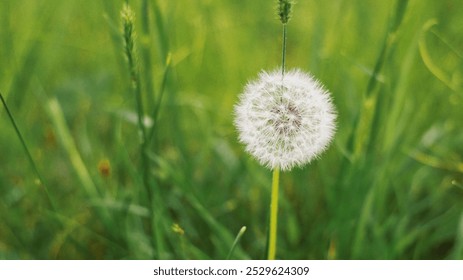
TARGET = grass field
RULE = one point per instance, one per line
(389, 187)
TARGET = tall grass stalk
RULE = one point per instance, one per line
(283, 51)
(158, 220)
(128, 18)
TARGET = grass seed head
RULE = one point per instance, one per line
(284, 10)
(128, 21)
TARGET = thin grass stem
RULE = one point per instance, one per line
(237, 239)
(283, 51)
(155, 113)
(26, 149)
(134, 73)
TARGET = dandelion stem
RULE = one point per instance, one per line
(272, 240)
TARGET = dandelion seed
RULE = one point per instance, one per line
(285, 121)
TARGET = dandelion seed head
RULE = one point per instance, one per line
(285, 120)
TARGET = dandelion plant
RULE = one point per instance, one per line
(285, 119)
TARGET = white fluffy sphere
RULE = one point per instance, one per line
(285, 120)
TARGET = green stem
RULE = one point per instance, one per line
(29, 156)
(272, 240)
(237, 239)
(283, 52)
(128, 28)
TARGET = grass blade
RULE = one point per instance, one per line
(26, 149)
(237, 239)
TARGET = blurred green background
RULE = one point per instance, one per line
(389, 187)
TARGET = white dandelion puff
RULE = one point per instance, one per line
(285, 120)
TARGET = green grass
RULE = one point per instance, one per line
(389, 187)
